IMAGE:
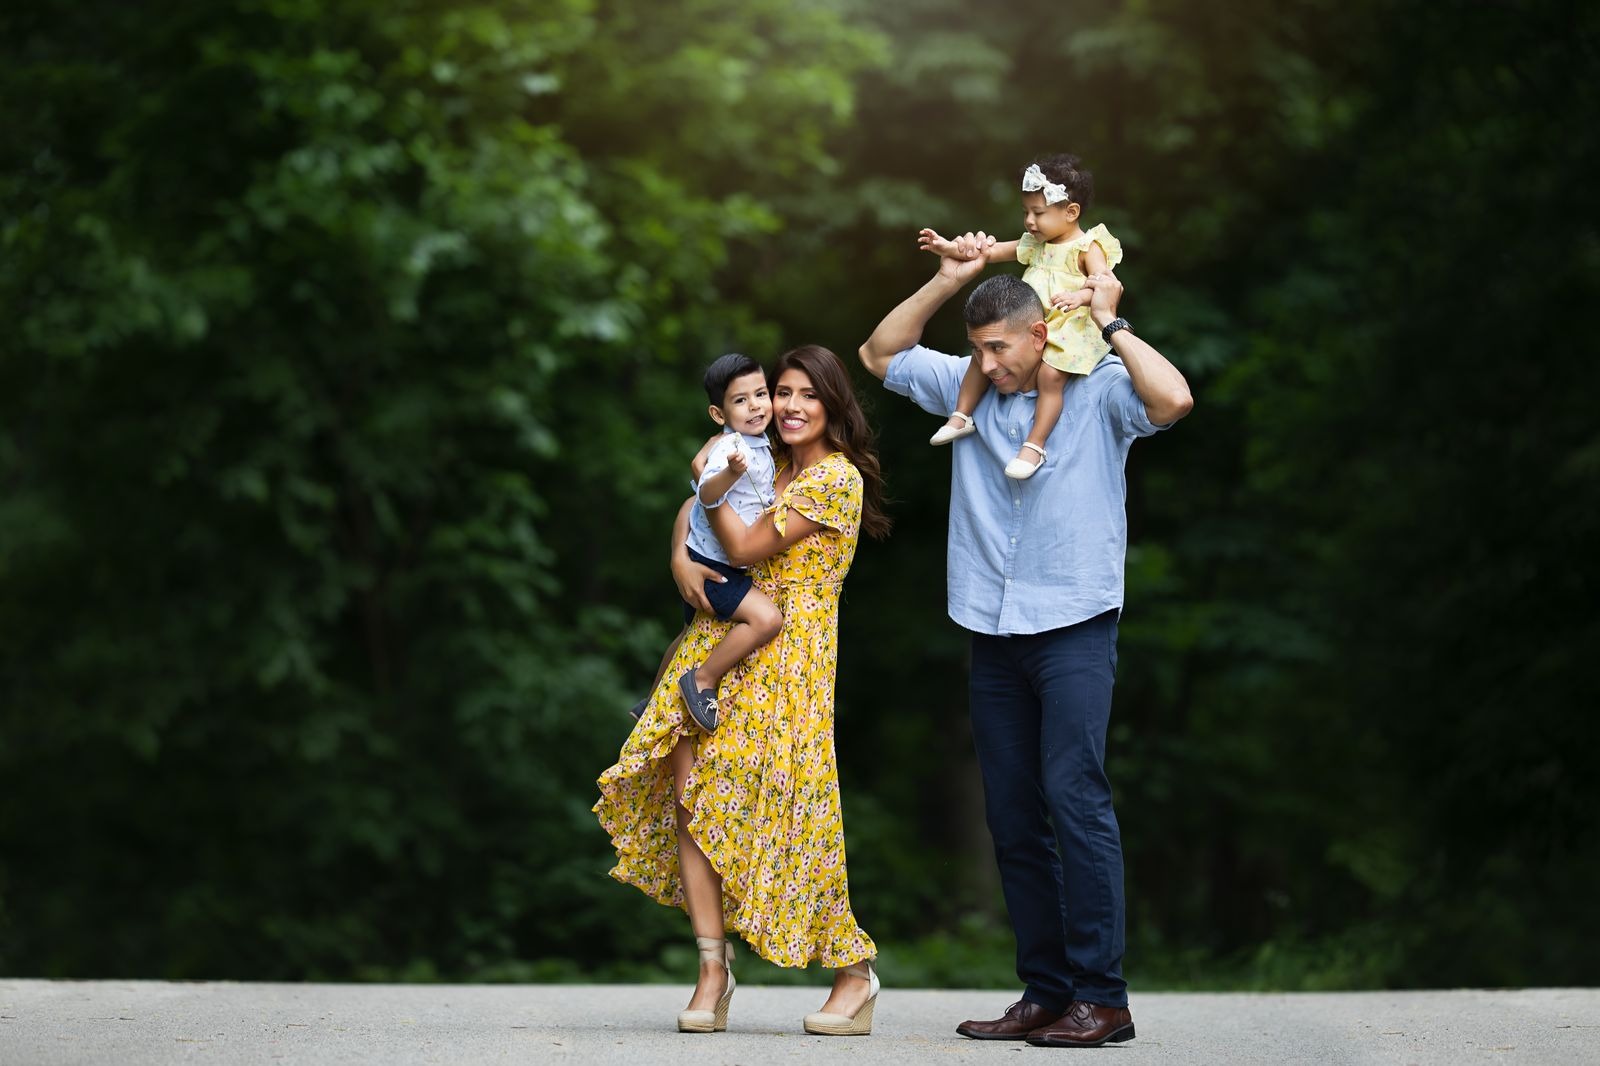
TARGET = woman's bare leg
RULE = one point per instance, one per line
(702, 887)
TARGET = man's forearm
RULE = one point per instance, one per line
(1160, 385)
(902, 327)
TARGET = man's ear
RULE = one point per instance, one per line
(716, 415)
(1040, 334)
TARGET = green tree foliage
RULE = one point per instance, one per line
(1352, 740)
(351, 375)
(336, 355)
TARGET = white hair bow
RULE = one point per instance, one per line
(1033, 180)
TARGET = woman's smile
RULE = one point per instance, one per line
(802, 418)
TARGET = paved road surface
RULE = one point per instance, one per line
(151, 1023)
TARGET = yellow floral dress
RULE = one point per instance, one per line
(1075, 343)
(765, 787)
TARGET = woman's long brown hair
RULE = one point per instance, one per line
(848, 430)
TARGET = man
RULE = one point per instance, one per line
(1035, 573)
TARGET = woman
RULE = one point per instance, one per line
(742, 827)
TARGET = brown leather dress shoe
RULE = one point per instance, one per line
(1021, 1018)
(1085, 1025)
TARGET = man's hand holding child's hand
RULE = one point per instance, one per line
(929, 241)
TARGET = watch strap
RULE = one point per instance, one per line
(1113, 326)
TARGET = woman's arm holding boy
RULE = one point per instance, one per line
(747, 545)
(698, 463)
(688, 575)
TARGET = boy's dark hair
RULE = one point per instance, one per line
(720, 373)
(1067, 170)
(1003, 298)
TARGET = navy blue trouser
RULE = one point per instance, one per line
(1040, 705)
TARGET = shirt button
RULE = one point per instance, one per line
(1013, 540)
(1008, 581)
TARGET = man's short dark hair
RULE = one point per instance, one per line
(1003, 298)
(722, 372)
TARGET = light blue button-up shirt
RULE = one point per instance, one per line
(749, 496)
(1030, 556)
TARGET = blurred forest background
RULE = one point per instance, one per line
(350, 370)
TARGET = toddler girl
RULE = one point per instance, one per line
(1059, 255)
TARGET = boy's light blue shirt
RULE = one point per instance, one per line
(747, 500)
(1030, 556)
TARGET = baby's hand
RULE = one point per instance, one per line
(1070, 301)
(738, 461)
(929, 241)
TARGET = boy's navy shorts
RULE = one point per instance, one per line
(726, 596)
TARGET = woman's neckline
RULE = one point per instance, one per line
(794, 468)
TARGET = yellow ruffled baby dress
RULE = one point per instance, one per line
(1075, 345)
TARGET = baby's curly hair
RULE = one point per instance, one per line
(1066, 170)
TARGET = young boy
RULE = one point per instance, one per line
(738, 472)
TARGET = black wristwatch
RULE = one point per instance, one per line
(1112, 326)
